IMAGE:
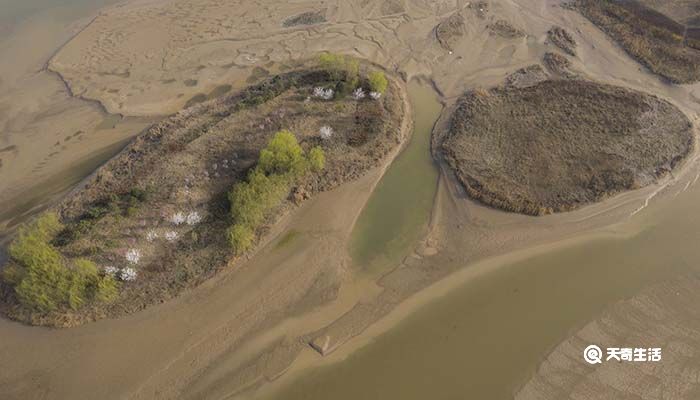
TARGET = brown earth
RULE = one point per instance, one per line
(561, 144)
(650, 36)
(188, 163)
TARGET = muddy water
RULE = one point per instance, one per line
(399, 209)
(485, 338)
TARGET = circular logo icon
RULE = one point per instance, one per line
(593, 354)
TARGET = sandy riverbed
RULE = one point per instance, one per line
(248, 326)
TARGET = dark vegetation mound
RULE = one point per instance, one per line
(527, 76)
(450, 31)
(558, 65)
(307, 18)
(655, 40)
(561, 38)
(558, 145)
(504, 29)
(195, 191)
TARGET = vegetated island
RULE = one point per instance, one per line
(667, 47)
(197, 191)
(557, 145)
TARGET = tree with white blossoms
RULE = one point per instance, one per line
(151, 236)
(321, 93)
(178, 218)
(193, 218)
(375, 95)
(170, 236)
(359, 94)
(111, 270)
(325, 132)
(133, 256)
(128, 274)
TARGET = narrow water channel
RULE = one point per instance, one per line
(398, 211)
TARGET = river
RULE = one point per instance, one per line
(486, 337)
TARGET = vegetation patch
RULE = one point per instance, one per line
(198, 190)
(561, 38)
(306, 18)
(654, 39)
(450, 31)
(558, 145)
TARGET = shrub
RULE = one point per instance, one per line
(280, 164)
(282, 155)
(317, 159)
(378, 82)
(343, 69)
(241, 238)
(43, 280)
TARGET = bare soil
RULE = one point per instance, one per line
(561, 144)
(188, 163)
(653, 38)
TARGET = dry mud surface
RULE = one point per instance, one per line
(561, 144)
(245, 327)
(663, 316)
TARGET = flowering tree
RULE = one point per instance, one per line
(177, 218)
(326, 132)
(193, 218)
(359, 94)
(128, 274)
(133, 256)
(325, 94)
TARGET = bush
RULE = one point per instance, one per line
(241, 237)
(317, 159)
(43, 280)
(378, 82)
(282, 155)
(343, 69)
(280, 164)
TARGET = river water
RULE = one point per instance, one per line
(485, 338)
(398, 211)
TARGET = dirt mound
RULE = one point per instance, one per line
(307, 18)
(527, 76)
(504, 29)
(558, 65)
(450, 31)
(560, 144)
(653, 38)
(561, 38)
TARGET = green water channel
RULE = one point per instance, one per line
(398, 211)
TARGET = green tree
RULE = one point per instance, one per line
(241, 237)
(43, 279)
(378, 82)
(343, 69)
(282, 155)
(317, 159)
